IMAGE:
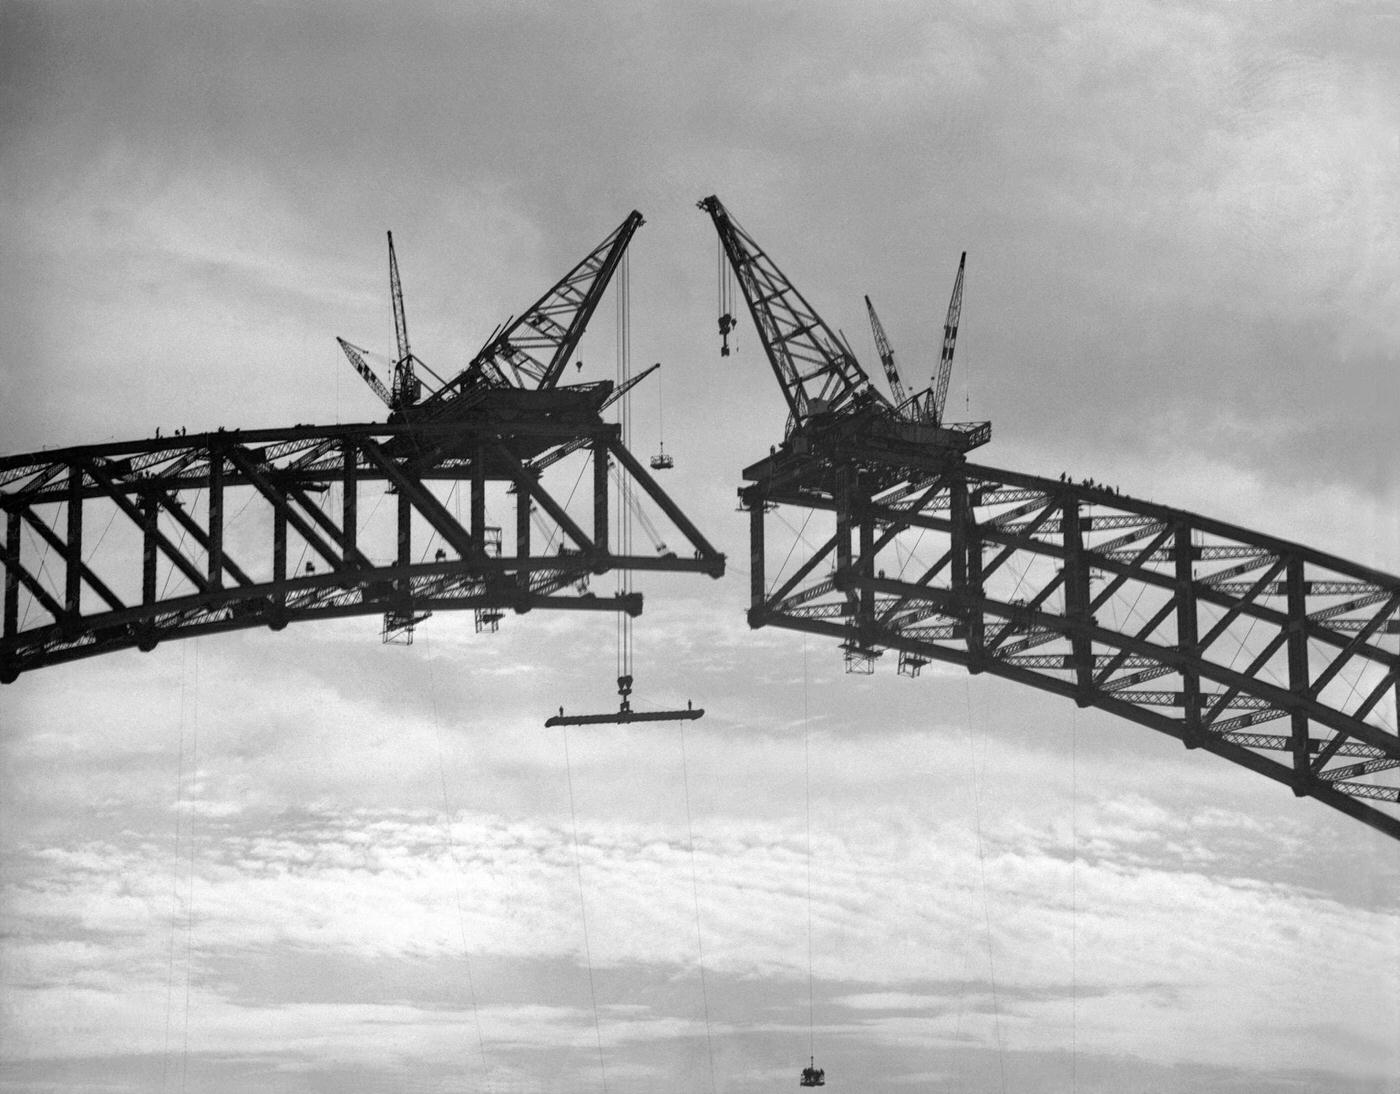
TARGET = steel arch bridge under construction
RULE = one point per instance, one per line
(1199, 629)
(1194, 627)
(302, 545)
(1282, 659)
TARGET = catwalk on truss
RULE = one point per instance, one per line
(230, 529)
(1191, 626)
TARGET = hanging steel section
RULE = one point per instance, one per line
(1205, 631)
(177, 563)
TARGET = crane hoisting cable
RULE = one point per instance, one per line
(724, 278)
(661, 461)
(626, 504)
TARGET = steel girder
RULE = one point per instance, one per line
(1193, 627)
(128, 544)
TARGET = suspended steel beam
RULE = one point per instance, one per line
(624, 717)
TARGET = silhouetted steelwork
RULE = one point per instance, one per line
(164, 506)
(232, 529)
(1197, 628)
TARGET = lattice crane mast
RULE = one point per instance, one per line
(525, 353)
(531, 352)
(926, 406)
(950, 338)
(406, 388)
(886, 352)
(829, 395)
(818, 375)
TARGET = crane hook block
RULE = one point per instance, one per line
(726, 324)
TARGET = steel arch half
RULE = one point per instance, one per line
(209, 532)
(1191, 626)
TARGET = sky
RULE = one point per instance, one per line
(305, 861)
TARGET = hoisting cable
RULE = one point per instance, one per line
(177, 864)
(189, 886)
(982, 880)
(812, 1075)
(583, 911)
(175, 870)
(1074, 899)
(661, 461)
(624, 482)
(625, 508)
(807, 795)
(695, 898)
(724, 278)
(452, 851)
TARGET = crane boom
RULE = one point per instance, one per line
(407, 387)
(950, 338)
(356, 356)
(536, 347)
(886, 352)
(815, 371)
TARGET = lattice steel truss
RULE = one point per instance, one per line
(1196, 628)
(129, 544)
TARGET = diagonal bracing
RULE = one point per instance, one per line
(229, 530)
(1278, 657)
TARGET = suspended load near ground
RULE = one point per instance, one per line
(812, 1075)
(1202, 630)
(450, 504)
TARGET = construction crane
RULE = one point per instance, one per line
(829, 394)
(406, 387)
(886, 352)
(845, 442)
(514, 377)
(926, 406)
(950, 338)
(528, 353)
(531, 352)
(816, 372)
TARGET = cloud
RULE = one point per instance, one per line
(1181, 278)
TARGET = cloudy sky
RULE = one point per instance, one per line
(305, 861)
